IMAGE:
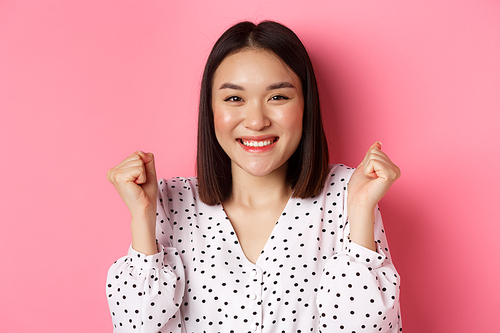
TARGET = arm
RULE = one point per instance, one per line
(359, 288)
(145, 288)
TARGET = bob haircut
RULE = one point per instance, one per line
(308, 165)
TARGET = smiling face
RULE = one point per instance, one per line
(258, 106)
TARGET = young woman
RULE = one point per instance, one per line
(268, 237)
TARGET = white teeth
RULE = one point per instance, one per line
(257, 143)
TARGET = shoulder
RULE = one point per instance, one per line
(336, 181)
(180, 182)
(339, 172)
(186, 187)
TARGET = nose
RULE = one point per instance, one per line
(256, 117)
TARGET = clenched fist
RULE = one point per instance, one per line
(372, 179)
(135, 181)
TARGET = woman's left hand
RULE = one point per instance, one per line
(372, 179)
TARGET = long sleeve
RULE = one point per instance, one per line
(359, 288)
(145, 292)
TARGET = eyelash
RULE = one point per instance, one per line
(232, 99)
(239, 99)
(280, 98)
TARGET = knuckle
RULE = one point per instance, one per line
(118, 177)
(111, 174)
(395, 173)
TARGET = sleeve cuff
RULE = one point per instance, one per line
(364, 255)
(146, 261)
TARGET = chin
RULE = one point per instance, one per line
(258, 173)
(259, 170)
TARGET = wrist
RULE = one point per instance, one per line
(144, 214)
(362, 221)
(144, 234)
(362, 207)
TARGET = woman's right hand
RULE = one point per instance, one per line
(135, 181)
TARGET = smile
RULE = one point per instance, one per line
(258, 145)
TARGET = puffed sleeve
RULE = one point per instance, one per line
(145, 291)
(359, 288)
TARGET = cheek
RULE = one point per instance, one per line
(297, 121)
(292, 120)
(223, 123)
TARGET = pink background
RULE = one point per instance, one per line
(85, 83)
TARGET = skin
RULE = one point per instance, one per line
(256, 97)
(368, 185)
(135, 180)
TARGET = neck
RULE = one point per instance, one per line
(257, 191)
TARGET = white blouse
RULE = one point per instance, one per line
(308, 278)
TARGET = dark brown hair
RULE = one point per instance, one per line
(308, 166)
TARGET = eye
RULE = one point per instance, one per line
(233, 99)
(278, 98)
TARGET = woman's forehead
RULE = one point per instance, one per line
(251, 67)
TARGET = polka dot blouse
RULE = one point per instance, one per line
(308, 278)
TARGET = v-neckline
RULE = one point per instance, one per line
(268, 241)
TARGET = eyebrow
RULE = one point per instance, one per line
(228, 85)
(279, 85)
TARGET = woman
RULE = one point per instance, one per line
(268, 238)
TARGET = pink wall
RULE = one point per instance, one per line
(85, 83)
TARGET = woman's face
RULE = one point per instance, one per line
(258, 106)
